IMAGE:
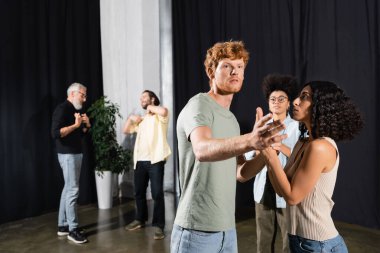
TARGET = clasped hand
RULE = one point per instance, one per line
(81, 118)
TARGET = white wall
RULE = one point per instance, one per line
(133, 56)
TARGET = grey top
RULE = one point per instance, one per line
(207, 200)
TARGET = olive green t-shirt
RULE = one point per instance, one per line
(207, 200)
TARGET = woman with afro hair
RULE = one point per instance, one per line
(326, 115)
(279, 91)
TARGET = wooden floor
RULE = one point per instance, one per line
(106, 233)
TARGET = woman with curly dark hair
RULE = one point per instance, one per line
(307, 182)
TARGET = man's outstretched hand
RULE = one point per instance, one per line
(263, 134)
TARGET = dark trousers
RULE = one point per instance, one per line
(144, 172)
(267, 222)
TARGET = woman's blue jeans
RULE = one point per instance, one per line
(299, 244)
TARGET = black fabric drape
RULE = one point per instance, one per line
(45, 46)
(325, 40)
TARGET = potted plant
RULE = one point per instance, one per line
(110, 157)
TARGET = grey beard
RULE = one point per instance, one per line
(77, 105)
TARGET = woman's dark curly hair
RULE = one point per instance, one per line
(277, 82)
(333, 114)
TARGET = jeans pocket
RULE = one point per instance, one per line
(202, 233)
(309, 246)
(176, 239)
(340, 247)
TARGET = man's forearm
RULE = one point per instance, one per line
(128, 126)
(206, 148)
(221, 149)
(160, 110)
(64, 131)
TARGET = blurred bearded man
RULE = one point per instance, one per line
(69, 124)
(150, 154)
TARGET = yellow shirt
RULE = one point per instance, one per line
(151, 140)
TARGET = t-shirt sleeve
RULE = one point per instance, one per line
(133, 128)
(163, 119)
(198, 114)
(57, 122)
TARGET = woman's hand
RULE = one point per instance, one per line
(269, 154)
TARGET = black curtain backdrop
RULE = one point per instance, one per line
(313, 40)
(45, 46)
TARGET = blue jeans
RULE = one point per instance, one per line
(194, 241)
(144, 172)
(71, 166)
(299, 244)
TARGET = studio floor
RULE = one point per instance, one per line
(106, 233)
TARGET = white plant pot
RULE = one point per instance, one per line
(104, 184)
